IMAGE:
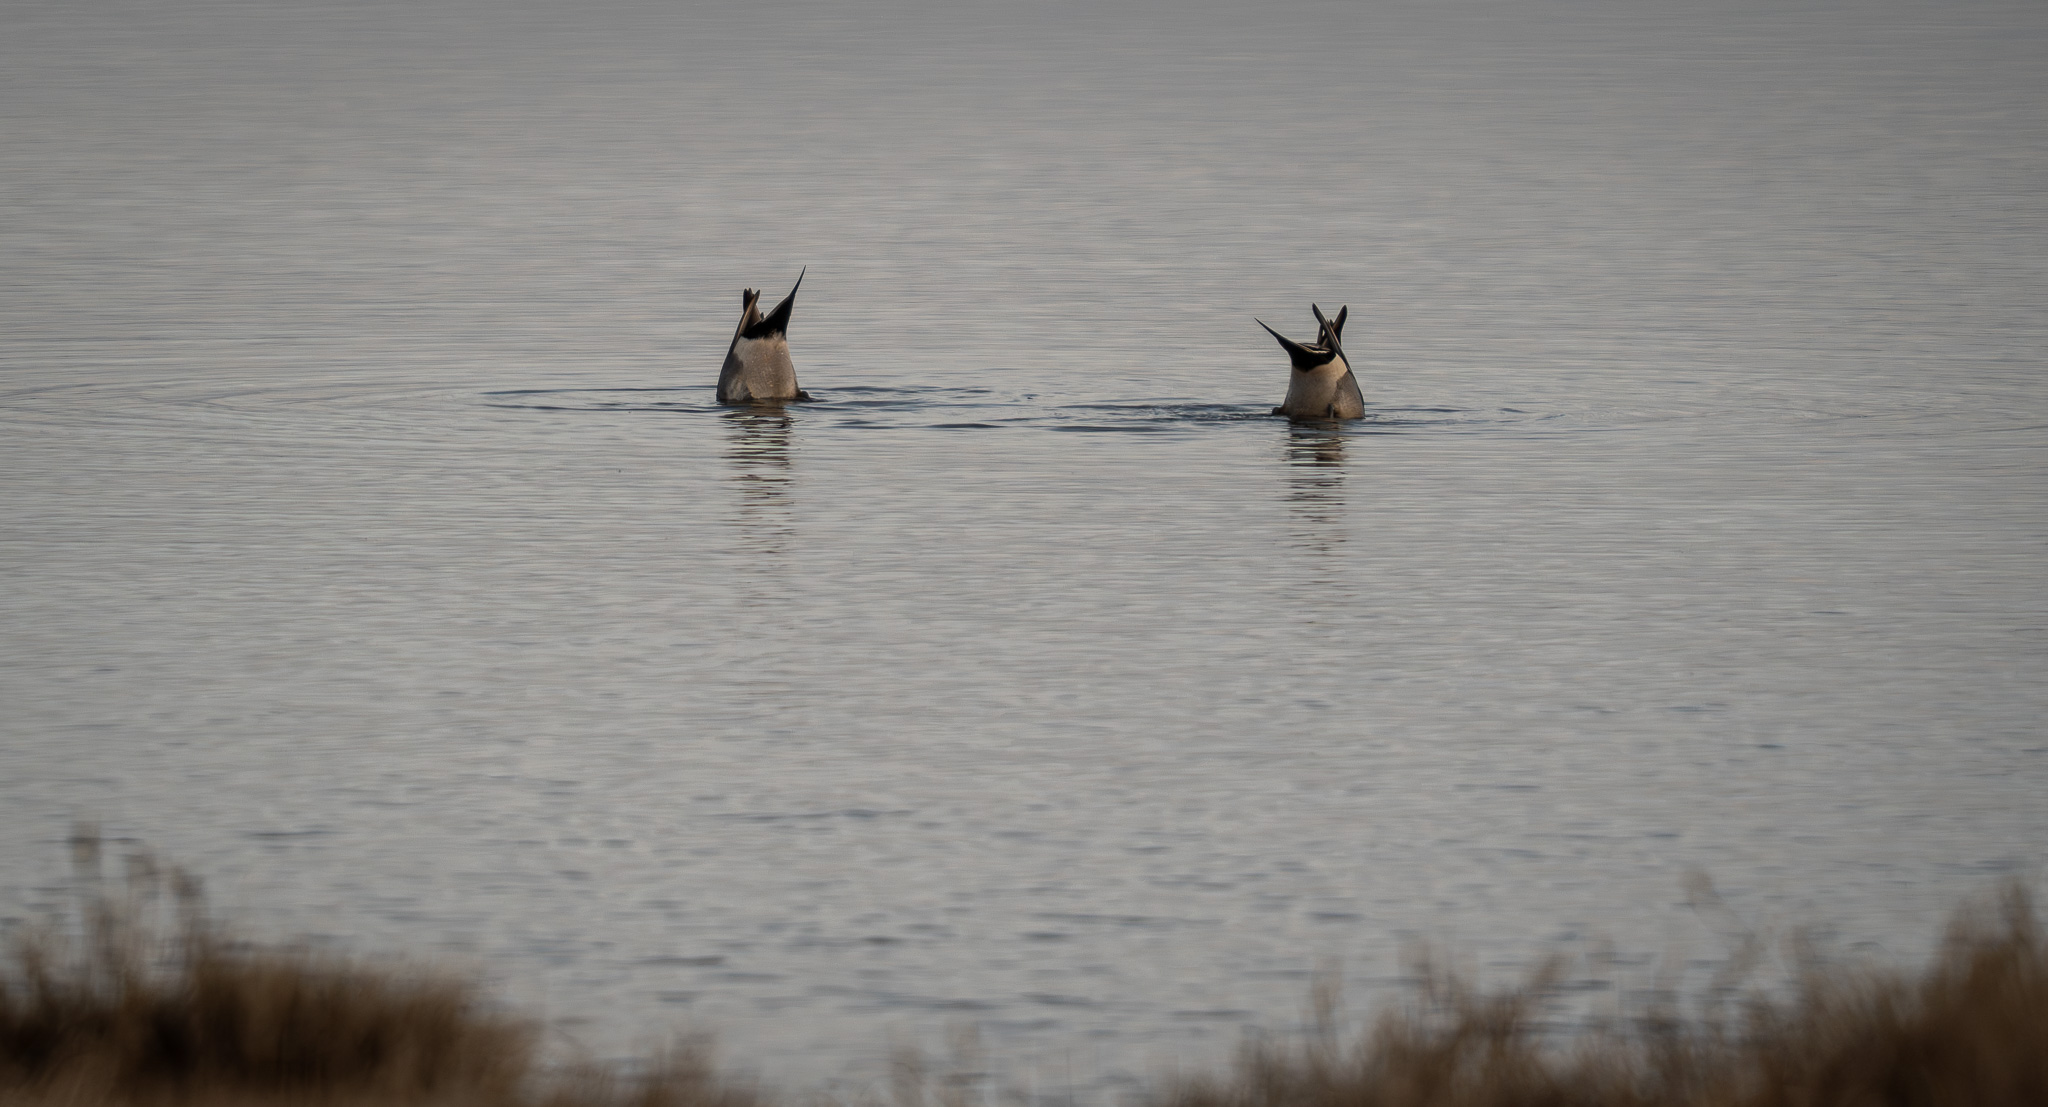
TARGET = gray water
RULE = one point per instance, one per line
(372, 545)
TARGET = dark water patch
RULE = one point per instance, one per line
(1408, 420)
(879, 394)
(858, 813)
(865, 941)
(351, 408)
(1086, 428)
(1146, 417)
(940, 1003)
(1050, 999)
(887, 999)
(1137, 922)
(608, 400)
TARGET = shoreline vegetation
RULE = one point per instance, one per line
(143, 998)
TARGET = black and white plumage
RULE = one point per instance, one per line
(1321, 386)
(757, 366)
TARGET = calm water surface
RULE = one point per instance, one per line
(371, 542)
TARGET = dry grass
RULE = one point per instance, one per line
(139, 999)
(1970, 1031)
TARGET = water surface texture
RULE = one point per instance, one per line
(370, 542)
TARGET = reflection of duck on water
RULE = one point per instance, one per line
(1317, 448)
(759, 452)
(1315, 484)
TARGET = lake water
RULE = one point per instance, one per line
(372, 545)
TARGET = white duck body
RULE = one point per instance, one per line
(758, 369)
(757, 366)
(1328, 391)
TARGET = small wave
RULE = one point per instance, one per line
(692, 400)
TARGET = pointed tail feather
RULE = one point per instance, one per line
(1303, 357)
(777, 321)
(750, 311)
(1329, 335)
(1300, 355)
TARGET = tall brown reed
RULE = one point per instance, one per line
(139, 997)
(1972, 1029)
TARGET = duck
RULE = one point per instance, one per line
(757, 367)
(1322, 386)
